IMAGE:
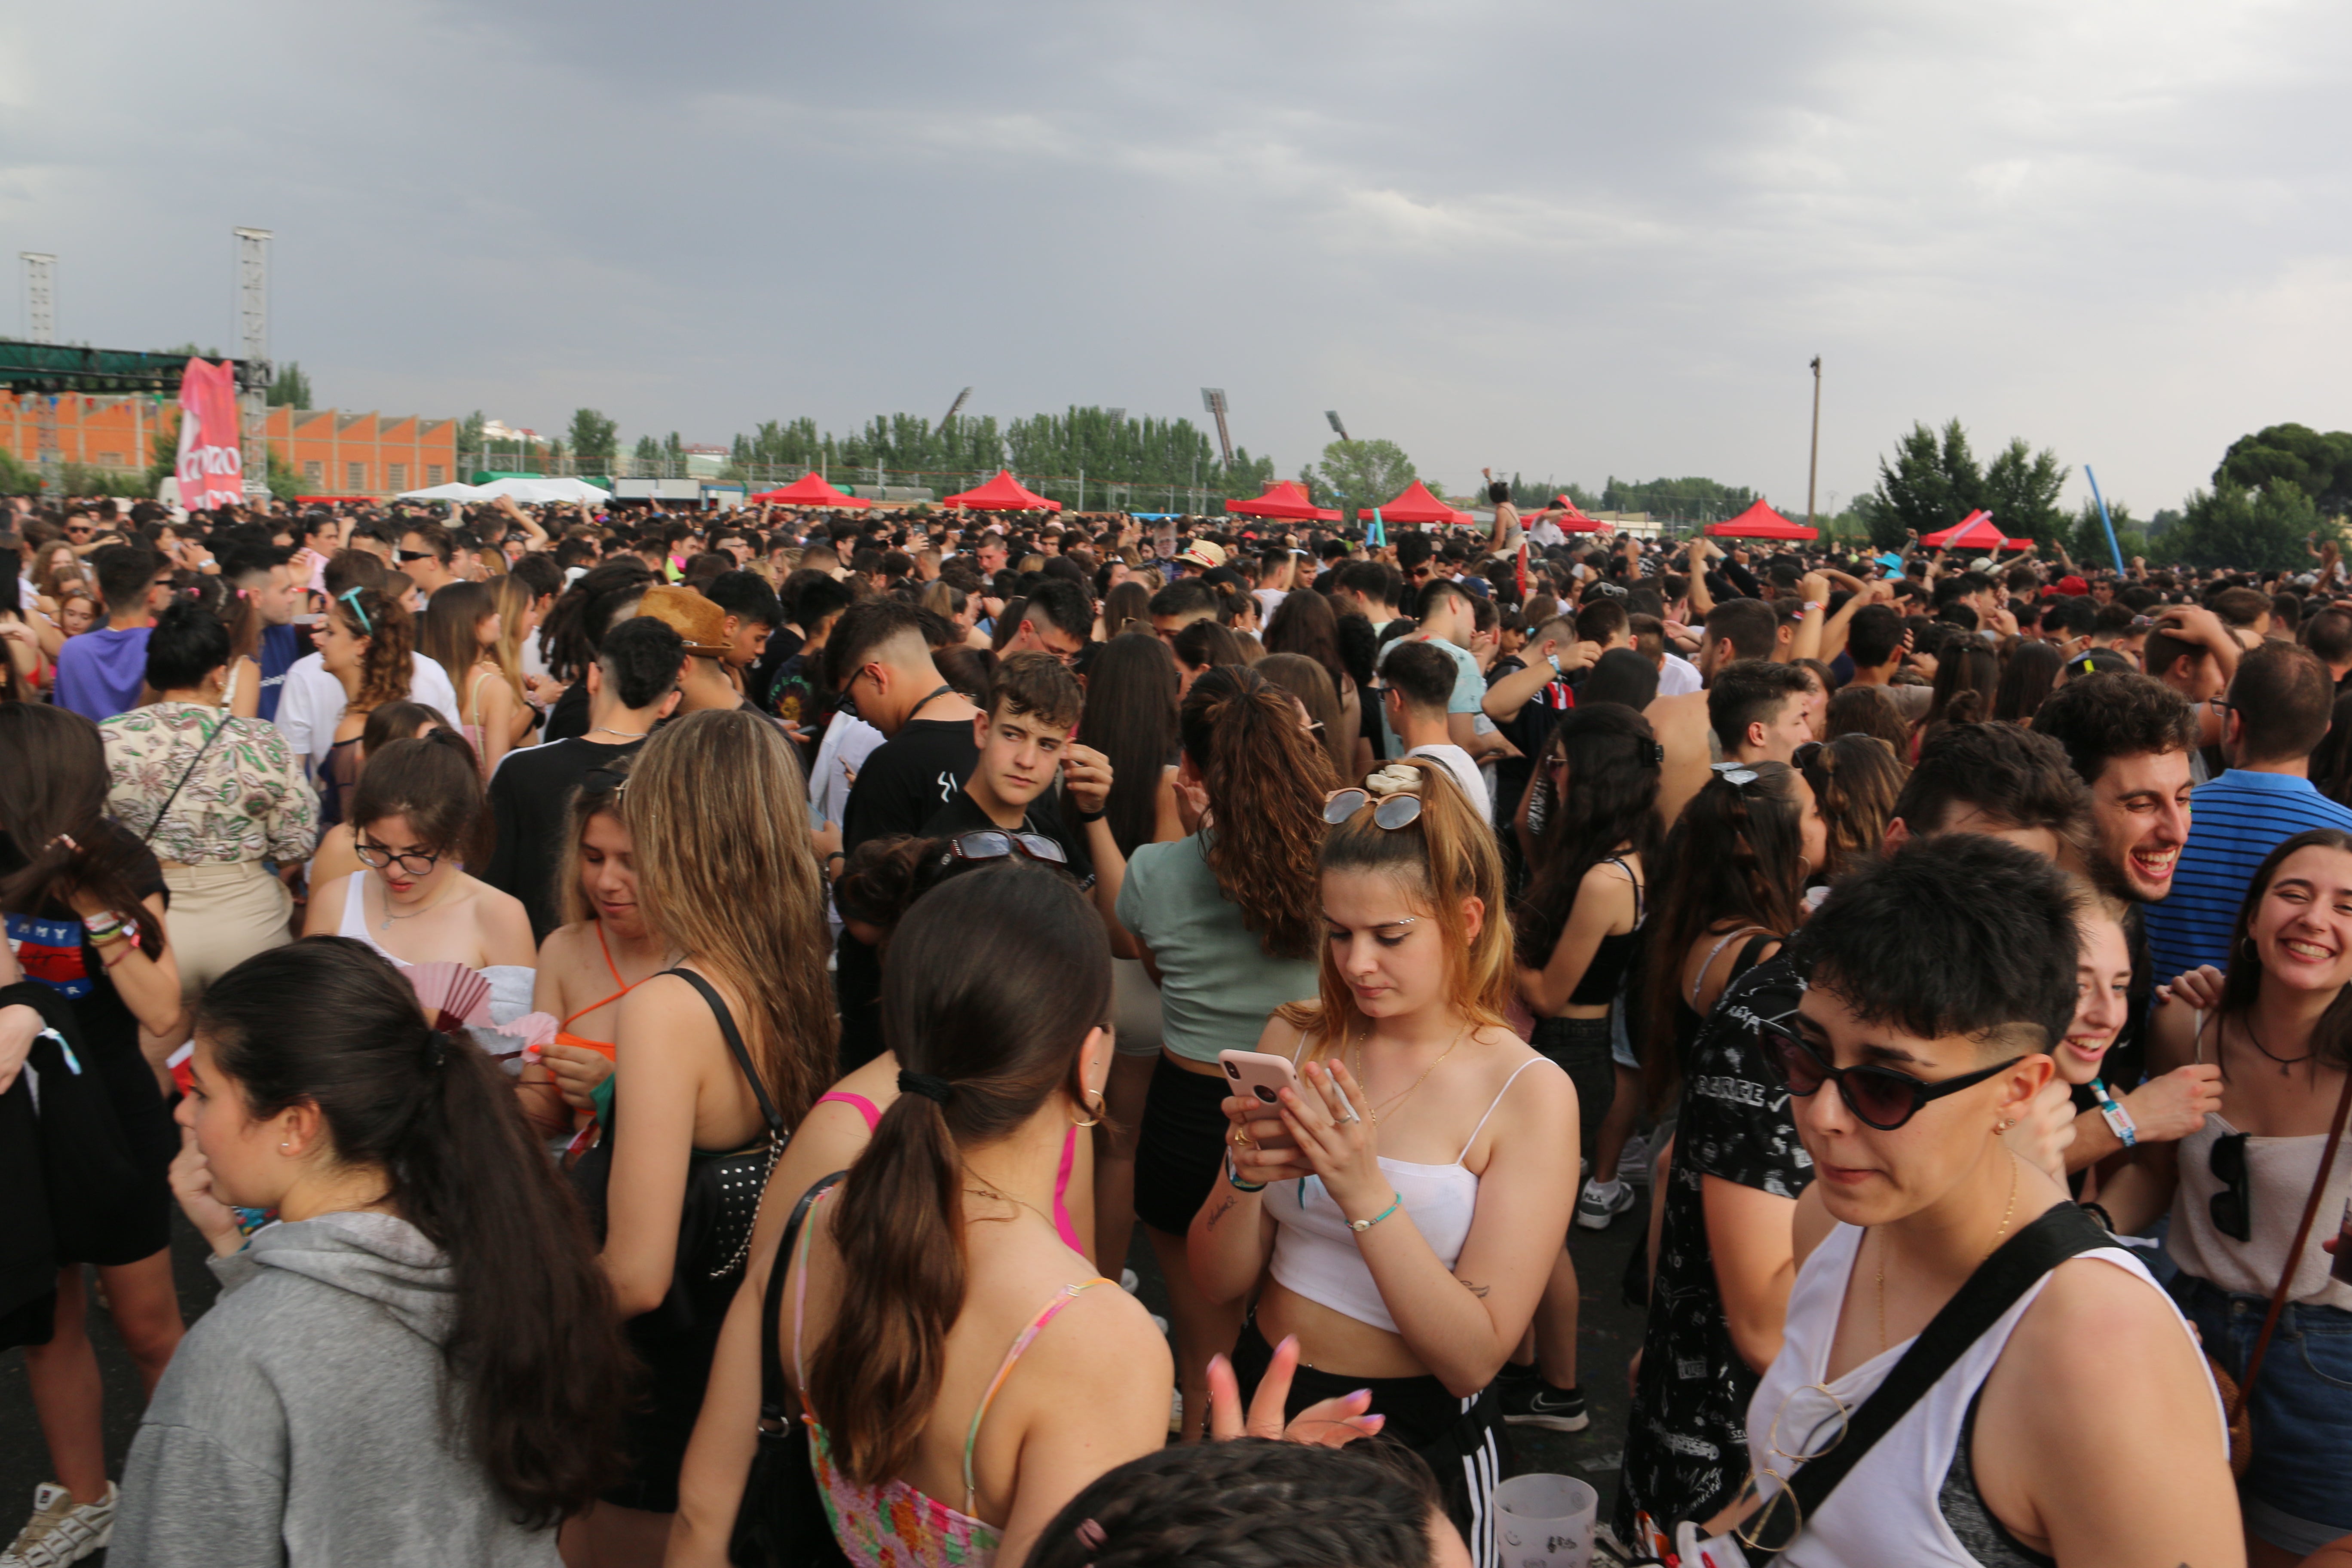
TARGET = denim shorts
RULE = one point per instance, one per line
(2297, 1493)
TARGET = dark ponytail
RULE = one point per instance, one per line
(538, 1371)
(962, 1003)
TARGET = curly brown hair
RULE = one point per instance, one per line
(1267, 777)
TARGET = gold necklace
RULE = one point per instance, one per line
(985, 1190)
(390, 915)
(1374, 1110)
(2006, 1216)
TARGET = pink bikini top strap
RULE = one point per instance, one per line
(1062, 1298)
(1062, 1221)
(863, 1106)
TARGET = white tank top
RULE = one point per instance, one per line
(1887, 1510)
(1315, 1253)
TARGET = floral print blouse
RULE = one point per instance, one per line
(246, 800)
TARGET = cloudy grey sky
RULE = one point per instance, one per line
(1568, 238)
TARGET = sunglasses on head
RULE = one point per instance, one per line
(1394, 811)
(1878, 1097)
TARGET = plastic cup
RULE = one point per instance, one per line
(1544, 1521)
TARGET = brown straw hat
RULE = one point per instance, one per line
(702, 623)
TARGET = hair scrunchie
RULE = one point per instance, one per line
(929, 1086)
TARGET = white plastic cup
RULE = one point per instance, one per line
(1544, 1521)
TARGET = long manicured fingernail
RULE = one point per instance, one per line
(1372, 1424)
(1359, 1394)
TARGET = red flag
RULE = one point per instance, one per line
(212, 452)
(1523, 570)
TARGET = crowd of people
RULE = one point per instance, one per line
(950, 897)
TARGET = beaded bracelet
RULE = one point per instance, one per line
(1396, 1201)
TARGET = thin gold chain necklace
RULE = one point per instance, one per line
(2006, 1216)
(1373, 1112)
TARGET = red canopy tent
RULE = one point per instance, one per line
(1415, 504)
(809, 490)
(1974, 531)
(1283, 498)
(1002, 493)
(1574, 521)
(1760, 522)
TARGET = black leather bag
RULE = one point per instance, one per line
(722, 1196)
(781, 1521)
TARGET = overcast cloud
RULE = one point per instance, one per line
(1570, 239)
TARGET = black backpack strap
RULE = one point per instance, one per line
(2061, 1233)
(772, 1359)
(735, 1044)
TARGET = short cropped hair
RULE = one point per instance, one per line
(1747, 625)
(2007, 773)
(1954, 935)
(1749, 690)
(874, 624)
(2102, 718)
(1421, 673)
(641, 658)
(1036, 685)
(746, 596)
(1064, 605)
(1872, 635)
(123, 572)
(2282, 697)
(1184, 596)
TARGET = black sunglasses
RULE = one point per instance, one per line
(405, 556)
(1879, 1096)
(2233, 1207)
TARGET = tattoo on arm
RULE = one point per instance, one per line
(1219, 1212)
(1477, 1291)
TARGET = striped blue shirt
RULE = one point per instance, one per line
(2234, 822)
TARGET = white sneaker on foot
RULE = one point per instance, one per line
(1602, 1202)
(61, 1530)
(1633, 1165)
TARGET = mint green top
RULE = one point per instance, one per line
(1217, 988)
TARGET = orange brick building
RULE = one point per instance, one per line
(330, 452)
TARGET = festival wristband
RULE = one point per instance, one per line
(2119, 1121)
(1233, 1179)
(1396, 1202)
(1087, 816)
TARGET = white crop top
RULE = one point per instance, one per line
(1315, 1253)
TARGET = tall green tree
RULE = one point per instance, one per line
(2252, 529)
(469, 432)
(595, 438)
(289, 388)
(1694, 498)
(2087, 542)
(2021, 490)
(2318, 465)
(1365, 473)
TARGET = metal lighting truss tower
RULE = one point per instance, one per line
(41, 327)
(1213, 398)
(253, 340)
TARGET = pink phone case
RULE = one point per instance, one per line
(1256, 1075)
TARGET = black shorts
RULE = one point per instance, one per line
(1463, 1442)
(1181, 1150)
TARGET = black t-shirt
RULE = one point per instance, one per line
(907, 778)
(1687, 1438)
(905, 782)
(568, 720)
(531, 804)
(962, 814)
(1530, 733)
(783, 644)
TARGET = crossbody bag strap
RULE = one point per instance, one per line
(735, 1044)
(2295, 1253)
(190, 772)
(2061, 1233)
(772, 1359)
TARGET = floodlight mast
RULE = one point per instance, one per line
(953, 409)
(1213, 398)
(41, 327)
(253, 329)
(1333, 415)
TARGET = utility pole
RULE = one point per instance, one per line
(253, 332)
(41, 327)
(1814, 469)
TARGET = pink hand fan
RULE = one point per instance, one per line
(453, 995)
(534, 1029)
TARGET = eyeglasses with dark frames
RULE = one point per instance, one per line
(378, 856)
(1878, 1097)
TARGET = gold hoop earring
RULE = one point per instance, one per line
(1100, 1108)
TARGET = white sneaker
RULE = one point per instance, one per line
(61, 1530)
(1633, 1165)
(1602, 1202)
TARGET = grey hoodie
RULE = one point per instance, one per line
(302, 1419)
